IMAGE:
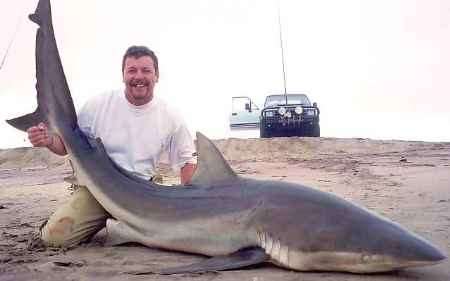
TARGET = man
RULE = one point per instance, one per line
(136, 128)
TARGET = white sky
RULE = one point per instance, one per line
(377, 69)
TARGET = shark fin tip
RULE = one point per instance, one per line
(35, 18)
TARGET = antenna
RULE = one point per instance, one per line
(282, 49)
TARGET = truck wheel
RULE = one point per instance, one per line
(263, 132)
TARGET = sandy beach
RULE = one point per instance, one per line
(408, 182)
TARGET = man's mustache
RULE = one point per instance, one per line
(136, 82)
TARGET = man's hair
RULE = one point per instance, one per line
(140, 51)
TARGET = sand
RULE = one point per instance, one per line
(408, 182)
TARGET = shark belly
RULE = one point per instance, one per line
(186, 236)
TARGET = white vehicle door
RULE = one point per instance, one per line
(244, 113)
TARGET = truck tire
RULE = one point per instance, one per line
(263, 132)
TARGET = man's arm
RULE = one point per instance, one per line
(186, 173)
(40, 137)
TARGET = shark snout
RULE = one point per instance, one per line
(407, 249)
(386, 246)
(426, 253)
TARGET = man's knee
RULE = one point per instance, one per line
(75, 221)
(58, 233)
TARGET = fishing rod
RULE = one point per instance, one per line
(10, 43)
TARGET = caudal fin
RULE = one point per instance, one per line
(43, 10)
(55, 105)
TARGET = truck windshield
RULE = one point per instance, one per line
(275, 100)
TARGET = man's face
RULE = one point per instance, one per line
(140, 78)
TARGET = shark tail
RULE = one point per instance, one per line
(32, 119)
(41, 9)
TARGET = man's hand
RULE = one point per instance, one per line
(39, 136)
(186, 173)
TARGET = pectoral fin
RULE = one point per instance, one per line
(239, 259)
(119, 233)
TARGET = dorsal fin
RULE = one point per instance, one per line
(211, 166)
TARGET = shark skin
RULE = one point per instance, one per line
(235, 220)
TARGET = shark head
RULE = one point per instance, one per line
(306, 229)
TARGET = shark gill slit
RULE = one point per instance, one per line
(274, 248)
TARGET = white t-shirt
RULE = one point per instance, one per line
(136, 136)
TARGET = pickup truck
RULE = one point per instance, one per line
(289, 115)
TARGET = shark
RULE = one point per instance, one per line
(233, 220)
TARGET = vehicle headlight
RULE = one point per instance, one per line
(310, 112)
(282, 111)
(299, 110)
(269, 114)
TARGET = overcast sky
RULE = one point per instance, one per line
(377, 69)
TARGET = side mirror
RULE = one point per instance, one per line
(247, 107)
(317, 109)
